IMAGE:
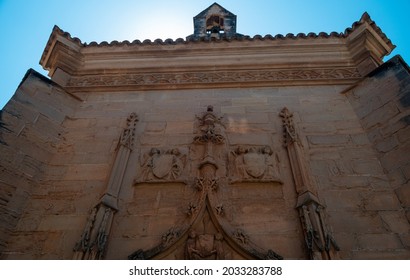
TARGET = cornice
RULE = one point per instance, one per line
(373, 26)
(357, 50)
(59, 38)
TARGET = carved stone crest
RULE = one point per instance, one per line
(204, 246)
(253, 164)
(162, 165)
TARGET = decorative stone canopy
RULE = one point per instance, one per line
(212, 59)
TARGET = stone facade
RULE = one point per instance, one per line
(220, 146)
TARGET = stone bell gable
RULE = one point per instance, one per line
(214, 22)
(217, 146)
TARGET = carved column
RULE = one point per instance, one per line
(93, 241)
(319, 241)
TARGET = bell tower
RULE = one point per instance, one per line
(214, 22)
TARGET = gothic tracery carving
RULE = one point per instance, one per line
(128, 134)
(318, 239)
(205, 216)
(289, 132)
(93, 241)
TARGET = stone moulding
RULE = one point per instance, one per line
(215, 78)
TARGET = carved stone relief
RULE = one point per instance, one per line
(240, 235)
(127, 138)
(162, 166)
(192, 209)
(206, 183)
(93, 241)
(253, 164)
(170, 236)
(211, 135)
(215, 77)
(289, 131)
(318, 239)
(204, 246)
(205, 228)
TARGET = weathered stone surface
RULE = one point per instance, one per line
(380, 255)
(155, 126)
(395, 221)
(359, 222)
(387, 144)
(379, 241)
(403, 193)
(396, 158)
(329, 140)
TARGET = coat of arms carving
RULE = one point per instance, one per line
(204, 246)
(253, 164)
(162, 166)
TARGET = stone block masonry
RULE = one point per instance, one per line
(381, 102)
(65, 166)
(30, 134)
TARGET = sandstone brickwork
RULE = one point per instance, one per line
(209, 148)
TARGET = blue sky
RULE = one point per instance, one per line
(25, 26)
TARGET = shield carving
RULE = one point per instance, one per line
(162, 165)
(205, 245)
(254, 164)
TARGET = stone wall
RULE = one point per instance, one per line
(66, 147)
(382, 103)
(30, 135)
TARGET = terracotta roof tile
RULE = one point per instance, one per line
(365, 18)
